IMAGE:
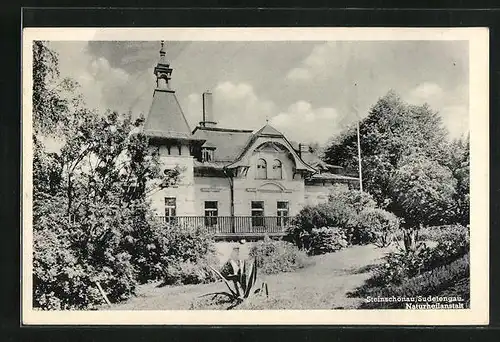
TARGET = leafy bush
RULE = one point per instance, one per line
(402, 265)
(444, 233)
(342, 210)
(434, 282)
(355, 199)
(277, 256)
(376, 226)
(173, 251)
(70, 259)
(326, 240)
(187, 272)
(332, 214)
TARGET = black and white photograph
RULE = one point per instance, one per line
(179, 171)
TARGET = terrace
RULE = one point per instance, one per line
(234, 227)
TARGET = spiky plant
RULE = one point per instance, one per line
(243, 278)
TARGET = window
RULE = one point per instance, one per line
(207, 155)
(258, 213)
(211, 213)
(261, 169)
(277, 169)
(170, 209)
(282, 212)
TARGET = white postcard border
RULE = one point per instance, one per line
(478, 314)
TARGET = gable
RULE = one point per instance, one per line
(244, 158)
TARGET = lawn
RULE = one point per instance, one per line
(322, 285)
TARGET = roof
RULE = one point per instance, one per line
(331, 176)
(209, 165)
(165, 118)
(315, 161)
(268, 130)
(229, 143)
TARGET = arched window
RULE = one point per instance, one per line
(277, 169)
(261, 169)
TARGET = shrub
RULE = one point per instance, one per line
(341, 211)
(434, 282)
(277, 256)
(444, 233)
(376, 226)
(169, 246)
(187, 272)
(402, 265)
(332, 214)
(70, 259)
(355, 199)
(326, 240)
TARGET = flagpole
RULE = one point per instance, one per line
(357, 134)
(359, 158)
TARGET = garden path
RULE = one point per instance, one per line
(323, 285)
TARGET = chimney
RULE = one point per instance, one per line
(303, 149)
(208, 114)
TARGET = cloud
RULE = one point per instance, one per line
(236, 105)
(102, 85)
(426, 92)
(302, 122)
(299, 74)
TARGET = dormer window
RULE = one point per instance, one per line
(277, 169)
(261, 169)
(207, 155)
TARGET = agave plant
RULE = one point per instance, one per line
(243, 278)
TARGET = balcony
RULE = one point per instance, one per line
(234, 226)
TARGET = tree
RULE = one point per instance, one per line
(91, 217)
(53, 97)
(424, 193)
(460, 167)
(392, 130)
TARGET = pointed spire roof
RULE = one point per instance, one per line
(165, 118)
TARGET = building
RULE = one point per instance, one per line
(233, 180)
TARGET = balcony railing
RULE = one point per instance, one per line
(233, 225)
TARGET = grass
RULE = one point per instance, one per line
(323, 285)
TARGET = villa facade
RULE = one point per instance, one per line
(232, 180)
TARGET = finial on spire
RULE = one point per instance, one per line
(162, 50)
(162, 70)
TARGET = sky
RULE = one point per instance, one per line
(306, 89)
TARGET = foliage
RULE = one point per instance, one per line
(444, 233)
(341, 211)
(423, 192)
(54, 98)
(355, 199)
(188, 272)
(69, 259)
(392, 130)
(277, 256)
(244, 278)
(90, 208)
(169, 252)
(377, 226)
(460, 167)
(401, 265)
(325, 240)
(433, 282)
